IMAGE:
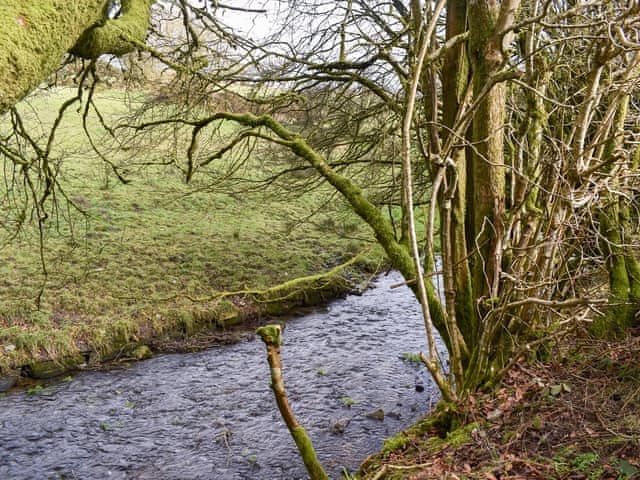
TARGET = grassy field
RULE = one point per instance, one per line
(127, 259)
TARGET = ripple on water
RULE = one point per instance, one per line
(211, 415)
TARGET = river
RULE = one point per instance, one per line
(211, 414)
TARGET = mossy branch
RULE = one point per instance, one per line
(397, 253)
(271, 335)
(116, 36)
(34, 36)
(291, 288)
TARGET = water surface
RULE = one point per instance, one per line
(211, 415)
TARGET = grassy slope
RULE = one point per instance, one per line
(573, 416)
(144, 255)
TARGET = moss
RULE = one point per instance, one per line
(227, 314)
(142, 352)
(454, 438)
(395, 443)
(633, 271)
(270, 334)
(186, 322)
(632, 263)
(49, 368)
(34, 36)
(309, 290)
(116, 36)
(438, 426)
(305, 447)
(124, 331)
(619, 315)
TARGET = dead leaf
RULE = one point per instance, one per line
(555, 390)
(495, 414)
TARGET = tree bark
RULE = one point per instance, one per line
(455, 79)
(489, 23)
(487, 168)
(271, 335)
(35, 35)
(616, 228)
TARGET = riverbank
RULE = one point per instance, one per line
(574, 415)
(118, 268)
(211, 414)
(225, 318)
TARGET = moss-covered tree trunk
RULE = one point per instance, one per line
(616, 229)
(487, 167)
(489, 37)
(457, 278)
(36, 34)
(620, 311)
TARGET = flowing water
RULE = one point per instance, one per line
(211, 415)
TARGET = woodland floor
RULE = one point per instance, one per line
(574, 415)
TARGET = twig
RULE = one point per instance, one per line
(409, 282)
(385, 468)
(612, 432)
(624, 406)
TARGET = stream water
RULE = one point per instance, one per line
(211, 415)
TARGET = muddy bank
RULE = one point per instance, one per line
(226, 318)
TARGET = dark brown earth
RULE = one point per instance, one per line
(572, 415)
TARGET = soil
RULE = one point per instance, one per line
(573, 415)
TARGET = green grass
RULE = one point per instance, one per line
(149, 253)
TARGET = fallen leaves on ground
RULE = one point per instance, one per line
(575, 416)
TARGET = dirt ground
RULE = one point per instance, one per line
(573, 415)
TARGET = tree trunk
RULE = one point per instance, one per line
(487, 167)
(457, 280)
(616, 228)
(489, 20)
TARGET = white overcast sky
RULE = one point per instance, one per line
(255, 25)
